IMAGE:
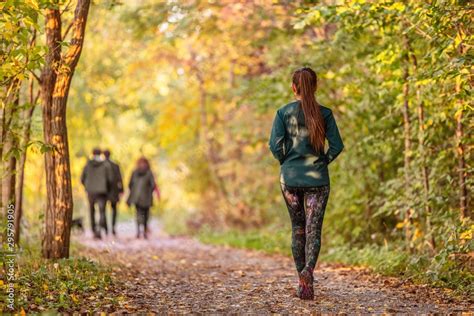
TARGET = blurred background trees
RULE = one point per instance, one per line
(194, 85)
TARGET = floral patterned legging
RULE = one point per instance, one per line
(306, 207)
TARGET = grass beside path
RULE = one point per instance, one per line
(269, 240)
(60, 285)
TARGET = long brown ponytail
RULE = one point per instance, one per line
(306, 83)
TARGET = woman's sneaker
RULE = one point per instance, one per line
(305, 288)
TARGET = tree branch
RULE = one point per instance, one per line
(68, 28)
(38, 95)
(33, 39)
(36, 76)
(66, 8)
(73, 53)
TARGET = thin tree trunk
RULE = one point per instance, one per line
(8, 180)
(10, 122)
(462, 173)
(461, 166)
(422, 152)
(407, 139)
(8, 158)
(56, 80)
(425, 171)
(28, 113)
(9, 108)
(2, 171)
(9, 146)
(2, 145)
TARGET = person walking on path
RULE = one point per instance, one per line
(97, 178)
(115, 189)
(142, 184)
(297, 141)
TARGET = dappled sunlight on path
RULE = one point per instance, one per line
(168, 274)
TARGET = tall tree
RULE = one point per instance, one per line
(55, 83)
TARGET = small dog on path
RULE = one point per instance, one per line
(77, 224)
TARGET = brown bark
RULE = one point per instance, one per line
(56, 79)
(8, 176)
(9, 144)
(8, 158)
(8, 112)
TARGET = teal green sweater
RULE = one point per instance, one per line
(301, 164)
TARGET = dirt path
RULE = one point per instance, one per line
(180, 275)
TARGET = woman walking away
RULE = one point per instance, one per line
(142, 184)
(297, 140)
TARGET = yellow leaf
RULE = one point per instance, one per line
(45, 287)
(417, 234)
(467, 235)
(398, 6)
(400, 225)
(74, 298)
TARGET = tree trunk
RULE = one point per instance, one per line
(425, 171)
(56, 80)
(8, 112)
(2, 171)
(422, 152)
(9, 143)
(407, 140)
(8, 177)
(28, 113)
(462, 173)
(8, 148)
(461, 167)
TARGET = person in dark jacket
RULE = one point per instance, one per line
(115, 189)
(297, 141)
(97, 178)
(142, 184)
